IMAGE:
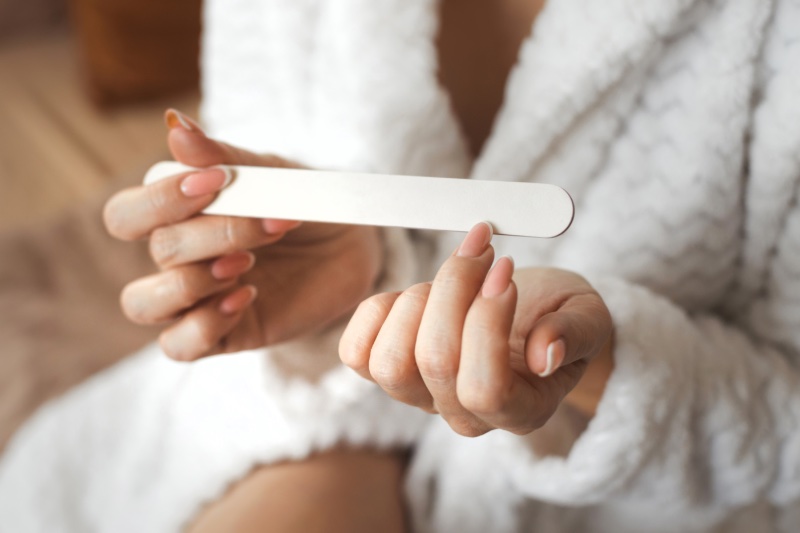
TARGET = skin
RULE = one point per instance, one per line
(478, 44)
(472, 345)
(341, 490)
(228, 284)
(212, 267)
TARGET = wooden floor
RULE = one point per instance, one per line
(56, 148)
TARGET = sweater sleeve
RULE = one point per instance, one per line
(703, 410)
(696, 411)
(306, 376)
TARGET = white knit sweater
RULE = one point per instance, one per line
(674, 124)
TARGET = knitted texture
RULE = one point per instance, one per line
(674, 124)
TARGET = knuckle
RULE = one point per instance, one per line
(158, 200)
(182, 289)
(133, 307)
(465, 427)
(242, 233)
(483, 399)
(230, 232)
(455, 270)
(114, 220)
(479, 327)
(376, 307)
(352, 353)
(436, 362)
(417, 294)
(111, 220)
(164, 246)
(206, 340)
(356, 345)
(168, 351)
(171, 349)
(450, 278)
(387, 374)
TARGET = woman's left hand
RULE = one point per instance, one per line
(483, 350)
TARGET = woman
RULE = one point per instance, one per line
(674, 126)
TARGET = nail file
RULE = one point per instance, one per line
(513, 208)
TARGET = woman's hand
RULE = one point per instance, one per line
(227, 283)
(482, 350)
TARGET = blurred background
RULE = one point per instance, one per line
(83, 88)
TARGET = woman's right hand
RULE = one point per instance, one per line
(228, 284)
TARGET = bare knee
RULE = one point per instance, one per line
(341, 490)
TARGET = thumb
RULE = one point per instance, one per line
(579, 329)
(189, 145)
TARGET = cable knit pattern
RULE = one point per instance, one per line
(675, 125)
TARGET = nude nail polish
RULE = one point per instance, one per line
(206, 181)
(499, 277)
(233, 265)
(476, 241)
(272, 226)
(238, 300)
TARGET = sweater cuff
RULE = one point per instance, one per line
(648, 392)
(305, 375)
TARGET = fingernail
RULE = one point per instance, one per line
(476, 241)
(206, 182)
(499, 277)
(232, 265)
(274, 225)
(238, 300)
(556, 351)
(175, 119)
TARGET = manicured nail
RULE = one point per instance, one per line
(476, 241)
(238, 300)
(175, 119)
(499, 277)
(206, 182)
(274, 225)
(556, 351)
(232, 265)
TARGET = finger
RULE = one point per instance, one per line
(204, 237)
(189, 144)
(202, 330)
(160, 297)
(359, 336)
(484, 374)
(577, 330)
(486, 384)
(135, 212)
(391, 361)
(438, 344)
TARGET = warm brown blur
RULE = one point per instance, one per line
(56, 146)
(135, 50)
(60, 157)
(472, 36)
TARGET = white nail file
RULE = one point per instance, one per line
(513, 208)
